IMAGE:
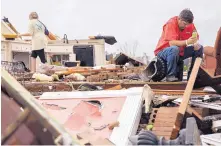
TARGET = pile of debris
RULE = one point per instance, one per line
(180, 120)
(168, 117)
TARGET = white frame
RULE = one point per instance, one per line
(129, 117)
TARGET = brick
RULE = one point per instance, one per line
(165, 121)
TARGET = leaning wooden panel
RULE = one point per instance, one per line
(38, 117)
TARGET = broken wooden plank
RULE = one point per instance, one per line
(186, 97)
(117, 87)
(192, 111)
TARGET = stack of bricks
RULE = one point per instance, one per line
(164, 121)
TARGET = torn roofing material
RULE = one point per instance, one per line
(122, 59)
(108, 39)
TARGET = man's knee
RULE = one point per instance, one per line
(199, 53)
(175, 50)
(169, 52)
(201, 49)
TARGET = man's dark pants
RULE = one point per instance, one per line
(174, 60)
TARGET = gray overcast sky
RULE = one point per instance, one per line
(127, 20)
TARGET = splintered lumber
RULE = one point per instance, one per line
(172, 118)
(180, 92)
(192, 111)
(117, 87)
(85, 70)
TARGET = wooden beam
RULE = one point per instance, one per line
(186, 97)
(192, 111)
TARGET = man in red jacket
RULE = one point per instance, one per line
(177, 43)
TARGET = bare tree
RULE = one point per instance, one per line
(129, 48)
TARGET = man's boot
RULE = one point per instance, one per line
(180, 69)
(171, 79)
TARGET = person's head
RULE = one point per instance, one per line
(185, 18)
(33, 15)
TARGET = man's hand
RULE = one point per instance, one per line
(196, 46)
(192, 40)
